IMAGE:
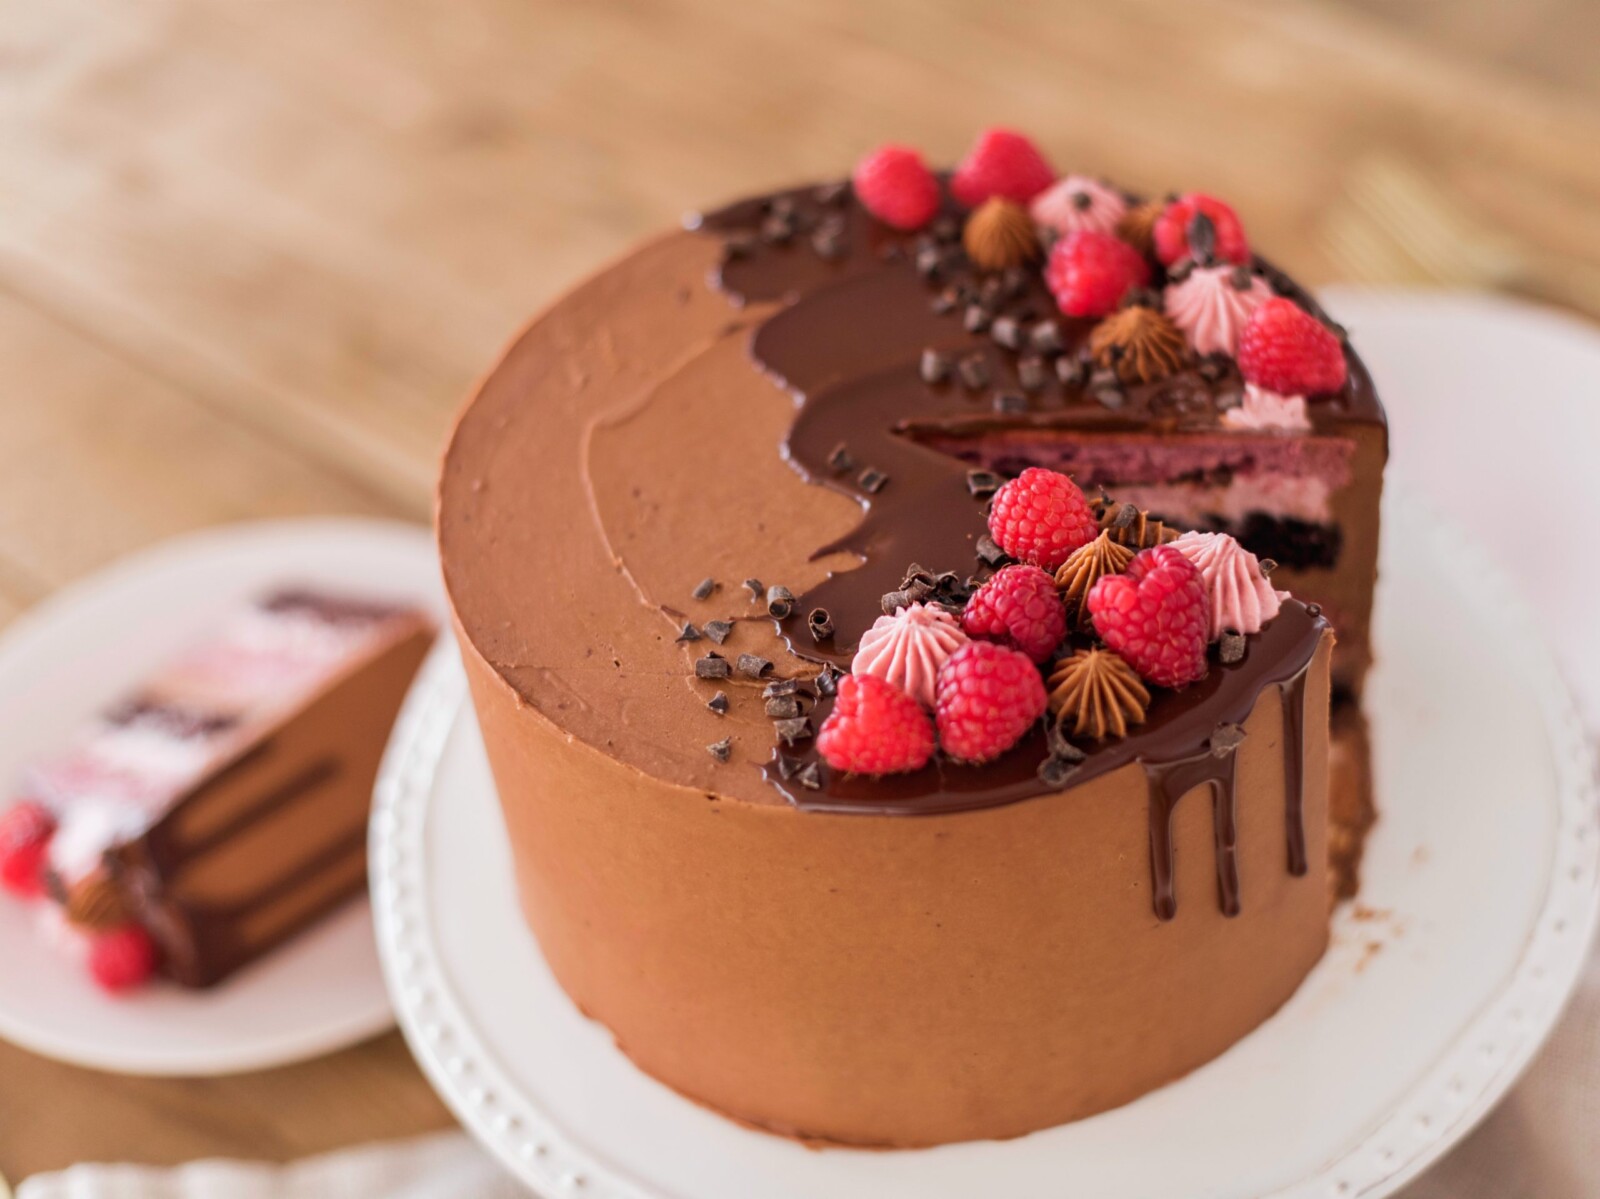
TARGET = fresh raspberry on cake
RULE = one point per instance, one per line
(123, 958)
(1287, 350)
(989, 696)
(25, 832)
(1020, 607)
(1173, 227)
(1155, 616)
(1089, 272)
(1001, 163)
(1041, 517)
(875, 728)
(896, 186)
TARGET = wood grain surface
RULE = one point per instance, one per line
(253, 254)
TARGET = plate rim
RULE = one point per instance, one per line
(1433, 1114)
(71, 602)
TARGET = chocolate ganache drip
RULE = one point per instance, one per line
(902, 358)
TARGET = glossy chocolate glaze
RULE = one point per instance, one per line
(860, 304)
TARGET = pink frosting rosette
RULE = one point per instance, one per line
(908, 648)
(1212, 305)
(1241, 597)
(1263, 411)
(1078, 202)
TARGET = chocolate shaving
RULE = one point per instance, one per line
(780, 687)
(1011, 403)
(1046, 337)
(756, 588)
(839, 461)
(811, 777)
(1202, 238)
(983, 483)
(780, 601)
(704, 588)
(721, 750)
(1007, 330)
(788, 767)
(718, 703)
(793, 730)
(1056, 773)
(945, 302)
(828, 244)
(718, 630)
(1032, 373)
(712, 666)
(977, 318)
(990, 553)
(777, 230)
(1225, 739)
(753, 666)
(783, 707)
(830, 194)
(1231, 648)
(1071, 372)
(820, 623)
(827, 683)
(973, 371)
(935, 366)
(688, 633)
(929, 261)
(1267, 565)
(872, 480)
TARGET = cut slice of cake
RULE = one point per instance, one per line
(221, 807)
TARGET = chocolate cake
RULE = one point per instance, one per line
(857, 587)
(221, 807)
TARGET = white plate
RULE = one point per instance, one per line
(65, 659)
(1478, 905)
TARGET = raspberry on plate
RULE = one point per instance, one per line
(989, 695)
(1020, 607)
(1041, 517)
(123, 958)
(25, 832)
(875, 728)
(1090, 272)
(896, 186)
(1287, 350)
(1001, 163)
(1171, 231)
(1156, 616)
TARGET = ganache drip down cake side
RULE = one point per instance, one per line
(906, 617)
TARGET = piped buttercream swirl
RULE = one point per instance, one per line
(908, 648)
(1212, 304)
(1241, 597)
(1079, 202)
(1263, 411)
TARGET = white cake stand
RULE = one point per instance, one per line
(1477, 908)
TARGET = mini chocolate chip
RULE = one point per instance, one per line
(989, 552)
(718, 703)
(811, 777)
(872, 480)
(1267, 566)
(756, 588)
(718, 630)
(1007, 331)
(689, 633)
(974, 372)
(780, 601)
(1032, 373)
(791, 731)
(1046, 337)
(1231, 648)
(712, 666)
(783, 707)
(830, 194)
(752, 666)
(704, 588)
(983, 483)
(1225, 739)
(935, 366)
(780, 687)
(1011, 403)
(820, 623)
(840, 460)
(721, 750)
(977, 318)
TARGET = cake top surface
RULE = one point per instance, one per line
(821, 392)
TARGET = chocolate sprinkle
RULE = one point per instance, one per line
(796, 729)
(1231, 648)
(712, 666)
(718, 703)
(840, 461)
(983, 483)
(820, 623)
(721, 750)
(718, 630)
(704, 588)
(935, 366)
(780, 602)
(872, 480)
(753, 666)
(783, 707)
(689, 633)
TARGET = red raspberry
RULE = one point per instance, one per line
(987, 697)
(123, 958)
(1020, 607)
(1041, 517)
(25, 832)
(1090, 272)
(1001, 163)
(896, 186)
(1171, 232)
(875, 728)
(1285, 349)
(1155, 616)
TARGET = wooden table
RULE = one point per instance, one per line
(252, 256)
